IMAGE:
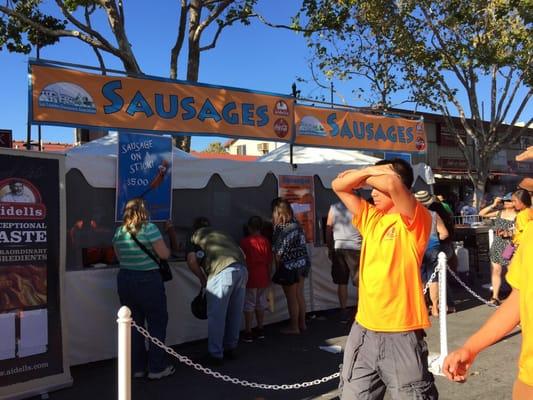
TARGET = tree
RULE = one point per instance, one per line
(215, 147)
(24, 24)
(347, 48)
(451, 48)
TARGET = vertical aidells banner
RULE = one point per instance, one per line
(145, 171)
(32, 355)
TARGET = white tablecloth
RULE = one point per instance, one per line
(92, 304)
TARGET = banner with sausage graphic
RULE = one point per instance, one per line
(32, 355)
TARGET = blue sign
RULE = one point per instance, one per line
(145, 170)
(389, 155)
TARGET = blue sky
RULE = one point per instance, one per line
(254, 57)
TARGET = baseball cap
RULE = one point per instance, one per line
(508, 197)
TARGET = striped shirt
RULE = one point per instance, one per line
(130, 254)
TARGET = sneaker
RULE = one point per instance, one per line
(166, 372)
(259, 333)
(139, 374)
(248, 337)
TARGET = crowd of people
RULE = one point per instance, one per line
(385, 245)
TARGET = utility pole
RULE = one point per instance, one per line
(331, 93)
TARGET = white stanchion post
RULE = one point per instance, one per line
(443, 306)
(435, 362)
(124, 353)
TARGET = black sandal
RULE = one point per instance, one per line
(495, 302)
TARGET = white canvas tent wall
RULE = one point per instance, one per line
(241, 188)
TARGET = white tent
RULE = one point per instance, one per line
(314, 155)
(97, 162)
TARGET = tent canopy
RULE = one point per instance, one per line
(313, 155)
(97, 161)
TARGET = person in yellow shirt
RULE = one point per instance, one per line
(522, 204)
(518, 308)
(386, 347)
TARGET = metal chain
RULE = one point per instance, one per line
(226, 378)
(433, 275)
(470, 290)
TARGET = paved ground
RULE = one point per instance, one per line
(280, 359)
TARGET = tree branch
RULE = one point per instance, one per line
(176, 50)
(54, 33)
(105, 44)
(211, 17)
(508, 80)
(510, 99)
(220, 27)
(99, 57)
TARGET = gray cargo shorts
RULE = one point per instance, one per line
(376, 361)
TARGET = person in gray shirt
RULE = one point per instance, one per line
(344, 250)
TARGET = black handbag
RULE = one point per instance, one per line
(199, 305)
(164, 268)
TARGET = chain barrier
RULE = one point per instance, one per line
(187, 361)
(470, 290)
(433, 275)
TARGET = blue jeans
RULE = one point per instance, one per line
(144, 293)
(225, 303)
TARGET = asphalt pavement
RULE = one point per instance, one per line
(284, 359)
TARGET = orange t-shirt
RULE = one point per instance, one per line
(391, 296)
(520, 276)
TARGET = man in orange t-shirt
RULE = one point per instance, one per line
(386, 347)
(516, 309)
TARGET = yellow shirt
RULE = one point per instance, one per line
(390, 287)
(520, 276)
(522, 219)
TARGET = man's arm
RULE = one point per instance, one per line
(506, 317)
(345, 183)
(192, 262)
(386, 180)
(349, 180)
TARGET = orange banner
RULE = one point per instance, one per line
(74, 98)
(300, 192)
(346, 129)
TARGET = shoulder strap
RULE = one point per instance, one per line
(143, 248)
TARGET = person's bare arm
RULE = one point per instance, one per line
(329, 233)
(171, 232)
(385, 179)
(506, 317)
(525, 155)
(195, 268)
(161, 249)
(441, 229)
(347, 181)
(489, 211)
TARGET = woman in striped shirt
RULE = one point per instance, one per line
(141, 288)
